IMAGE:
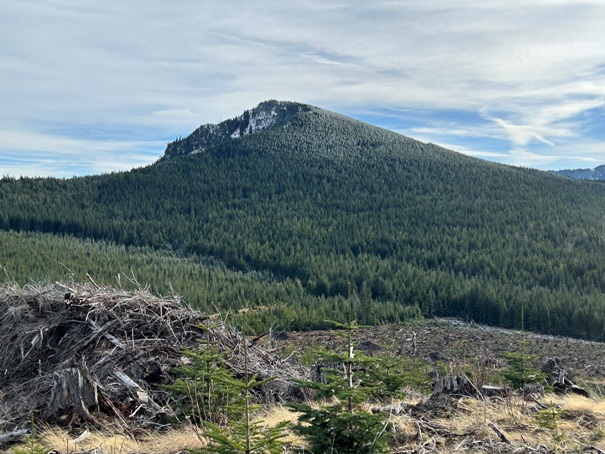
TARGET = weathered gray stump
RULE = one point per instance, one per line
(454, 384)
(74, 392)
(495, 391)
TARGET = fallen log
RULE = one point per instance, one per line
(500, 434)
(110, 337)
(142, 397)
(590, 447)
(10, 437)
(400, 409)
(578, 390)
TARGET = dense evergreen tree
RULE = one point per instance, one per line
(295, 213)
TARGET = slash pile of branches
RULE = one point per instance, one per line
(87, 353)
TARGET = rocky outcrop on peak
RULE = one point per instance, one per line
(266, 115)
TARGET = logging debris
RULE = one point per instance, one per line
(560, 379)
(86, 353)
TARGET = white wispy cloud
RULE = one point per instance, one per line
(530, 75)
(31, 154)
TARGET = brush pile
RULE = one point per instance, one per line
(86, 353)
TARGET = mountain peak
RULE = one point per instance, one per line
(268, 114)
(598, 173)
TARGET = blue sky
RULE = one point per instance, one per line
(90, 87)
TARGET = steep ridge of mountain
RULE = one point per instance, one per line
(336, 207)
(266, 115)
(598, 173)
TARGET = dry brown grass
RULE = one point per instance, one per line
(575, 402)
(582, 425)
(105, 442)
(273, 415)
(465, 430)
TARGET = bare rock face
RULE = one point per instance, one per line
(266, 115)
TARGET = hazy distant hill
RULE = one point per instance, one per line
(598, 173)
(331, 208)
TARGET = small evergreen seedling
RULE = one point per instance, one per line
(549, 419)
(342, 426)
(520, 371)
(32, 443)
(237, 434)
(204, 388)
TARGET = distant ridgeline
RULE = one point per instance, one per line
(598, 173)
(305, 215)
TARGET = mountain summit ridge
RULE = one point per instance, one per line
(598, 173)
(267, 115)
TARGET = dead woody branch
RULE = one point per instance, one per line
(71, 354)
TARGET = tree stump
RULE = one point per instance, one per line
(454, 384)
(74, 392)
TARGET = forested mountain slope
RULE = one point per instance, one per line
(339, 207)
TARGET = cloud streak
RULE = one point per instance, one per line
(493, 77)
